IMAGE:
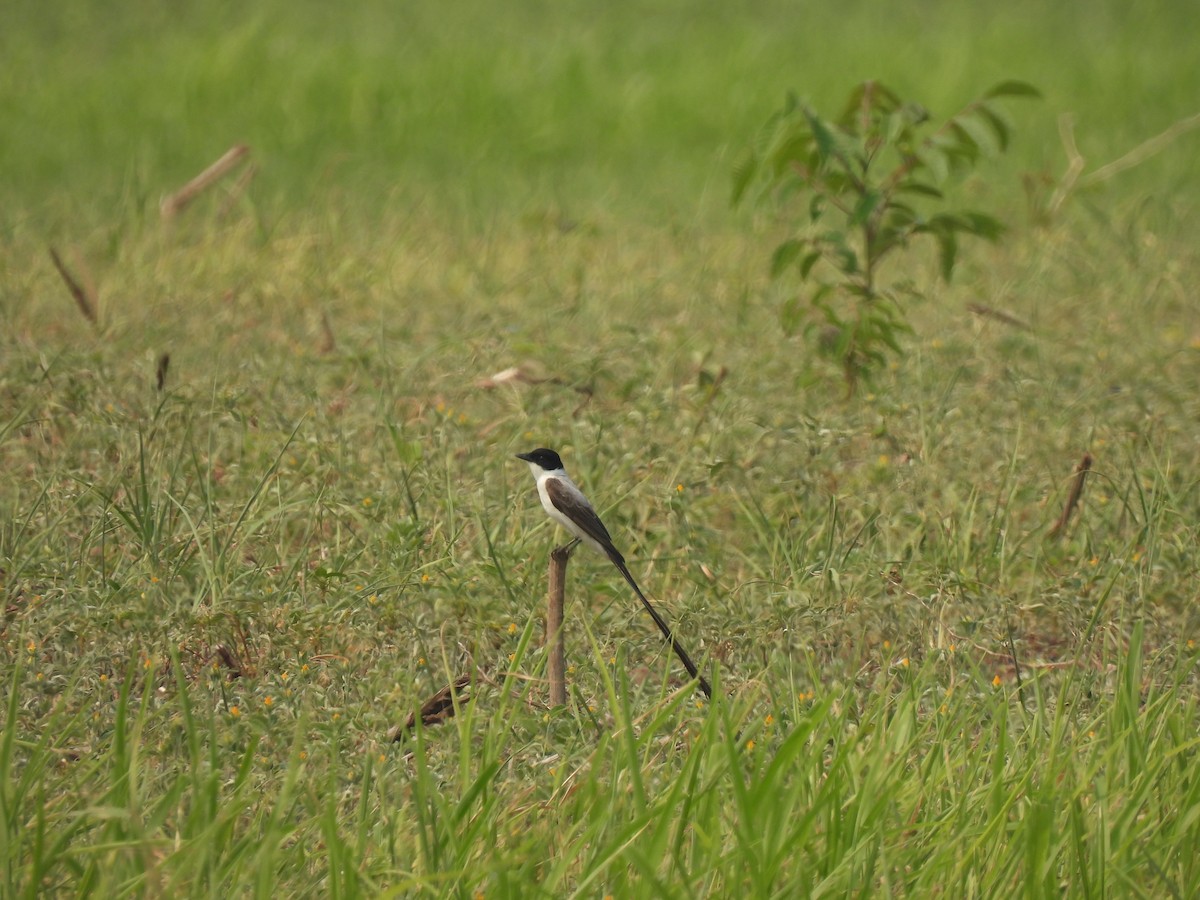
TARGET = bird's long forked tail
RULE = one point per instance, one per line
(619, 562)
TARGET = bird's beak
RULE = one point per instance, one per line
(523, 456)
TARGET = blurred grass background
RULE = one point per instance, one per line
(638, 108)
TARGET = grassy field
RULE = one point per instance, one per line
(222, 596)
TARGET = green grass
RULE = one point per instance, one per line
(547, 107)
(920, 693)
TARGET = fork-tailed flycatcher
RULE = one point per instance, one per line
(566, 505)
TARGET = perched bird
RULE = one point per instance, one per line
(566, 505)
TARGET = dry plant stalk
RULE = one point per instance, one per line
(328, 341)
(1074, 177)
(160, 372)
(1141, 152)
(173, 204)
(556, 664)
(239, 188)
(1000, 315)
(1081, 471)
(85, 300)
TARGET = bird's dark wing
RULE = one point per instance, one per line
(572, 505)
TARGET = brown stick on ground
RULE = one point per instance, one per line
(85, 303)
(160, 372)
(173, 204)
(1081, 471)
(556, 664)
(991, 312)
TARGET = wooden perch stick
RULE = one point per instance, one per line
(556, 665)
(173, 204)
(1081, 471)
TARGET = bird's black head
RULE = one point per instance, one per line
(543, 458)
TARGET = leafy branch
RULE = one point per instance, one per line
(869, 179)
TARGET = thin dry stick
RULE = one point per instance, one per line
(1075, 163)
(1000, 315)
(172, 205)
(1012, 649)
(1141, 152)
(1074, 176)
(1081, 471)
(239, 188)
(82, 300)
(556, 664)
(160, 372)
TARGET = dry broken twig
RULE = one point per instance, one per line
(173, 204)
(238, 189)
(991, 312)
(160, 371)
(1081, 471)
(85, 302)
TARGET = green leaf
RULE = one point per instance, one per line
(818, 300)
(788, 150)
(1000, 128)
(785, 254)
(885, 240)
(879, 98)
(791, 315)
(900, 214)
(885, 332)
(981, 132)
(853, 106)
(915, 113)
(839, 182)
(826, 144)
(944, 223)
(917, 187)
(964, 144)
(982, 225)
(1012, 89)
(866, 205)
(816, 207)
(409, 452)
(934, 160)
(866, 105)
(808, 262)
(897, 127)
(743, 173)
(843, 254)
